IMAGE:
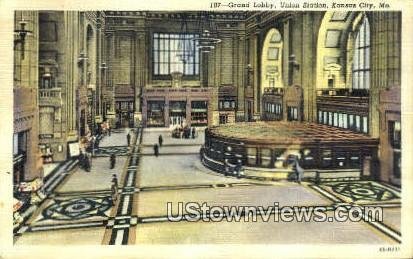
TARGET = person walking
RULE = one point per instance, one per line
(93, 143)
(298, 170)
(238, 169)
(160, 140)
(128, 138)
(115, 180)
(87, 163)
(193, 132)
(156, 150)
(226, 166)
(112, 160)
(82, 159)
(114, 189)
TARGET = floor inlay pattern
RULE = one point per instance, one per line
(107, 151)
(367, 193)
(77, 208)
(362, 191)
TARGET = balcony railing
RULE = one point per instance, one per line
(345, 92)
(50, 93)
(177, 90)
(50, 97)
(274, 90)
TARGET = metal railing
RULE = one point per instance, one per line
(346, 92)
(274, 90)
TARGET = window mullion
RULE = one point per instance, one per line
(167, 50)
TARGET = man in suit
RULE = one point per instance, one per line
(160, 140)
(112, 160)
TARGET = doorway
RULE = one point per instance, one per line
(124, 114)
(249, 110)
(177, 113)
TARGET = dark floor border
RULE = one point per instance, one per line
(174, 145)
(170, 154)
(77, 225)
(134, 160)
(197, 186)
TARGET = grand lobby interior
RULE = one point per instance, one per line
(236, 97)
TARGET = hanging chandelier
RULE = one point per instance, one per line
(204, 40)
(208, 33)
(185, 44)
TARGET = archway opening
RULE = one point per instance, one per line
(271, 60)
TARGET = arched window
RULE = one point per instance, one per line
(361, 57)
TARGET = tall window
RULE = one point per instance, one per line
(175, 53)
(20, 142)
(292, 113)
(361, 58)
(352, 122)
(395, 134)
(395, 142)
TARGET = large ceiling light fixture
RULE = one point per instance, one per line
(185, 41)
(208, 33)
(21, 34)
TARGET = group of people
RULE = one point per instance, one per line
(106, 129)
(89, 143)
(237, 168)
(85, 161)
(88, 146)
(184, 132)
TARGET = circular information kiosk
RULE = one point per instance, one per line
(267, 150)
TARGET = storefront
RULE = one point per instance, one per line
(170, 107)
(177, 113)
(124, 106)
(124, 113)
(155, 114)
(227, 103)
(199, 113)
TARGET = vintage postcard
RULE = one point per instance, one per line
(221, 128)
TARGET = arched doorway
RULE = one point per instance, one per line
(271, 60)
(343, 38)
(271, 76)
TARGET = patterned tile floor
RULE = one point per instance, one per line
(79, 209)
